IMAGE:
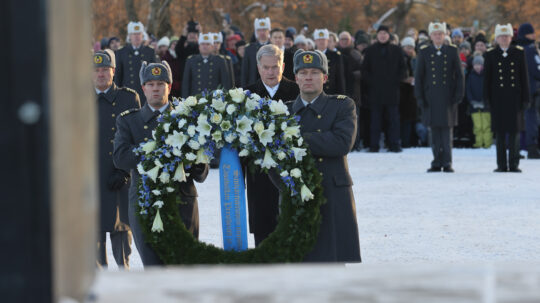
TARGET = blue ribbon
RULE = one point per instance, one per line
(233, 201)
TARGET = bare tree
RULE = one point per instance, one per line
(131, 11)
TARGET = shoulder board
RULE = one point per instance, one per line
(519, 47)
(248, 44)
(221, 56)
(452, 45)
(338, 52)
(190, 56)
(127, 89)
(424, 46)
(228, 57)
(129, 111)
(490, 49)
(341, 97)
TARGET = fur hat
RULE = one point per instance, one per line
(206, 38)
(135, 27)
(501, 30)
(408, 41)
(321, 34)
(263, 23)
(155, 71)
(104, 58)
(164, 42)
(437, 27)
(310, 59)
(218, 37)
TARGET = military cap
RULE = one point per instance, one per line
(155, 71)
(206, 38)
(437, 27)
(310, 59)
(135, 27)
(104, 58)
(263, 23)
(321, 34)
(501, 30)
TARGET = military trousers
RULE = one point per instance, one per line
(531, 126)
(120, 245)
(189, 212)
(510, 141)
(441, 146)
(482, 129)
(377, 118)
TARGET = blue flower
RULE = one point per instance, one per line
(297, 118)
(248, 93)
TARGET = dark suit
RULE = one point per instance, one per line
(328, 126)
(336, 73)
(506, 90)
(262, 195)
(133, 128)
(128, 65)
(199, 75)
(439, 87)
(113, 193)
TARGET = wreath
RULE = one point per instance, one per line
(266, 136)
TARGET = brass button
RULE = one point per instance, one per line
(319, 130)
(320, 159)
(433, 75)
(513, 85)
(199, 63)
(444, 82)
(132, 82)
(511, 63)
(432, 55)
(113, 115)
(112, 141)
(501, 78)
(445, 55)
(432, 62)
(433, 69)
(145, 127)
(434, 82)
(445, 69)
(500, 63)
(131, 68)
(319, 116)
(130, 55)
(198, 76)
(210, 70)
(114, 104)
(210, 77)
(199, 82)
(199, 70)
(444, 62)
(512, 77)
(502, 85)
(211, 63)
(129, 61)
(145, 139)
(510, 70)
(500, 70)
(113, 128)
(110, 153)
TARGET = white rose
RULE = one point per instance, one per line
(257, 162)
(169, 189)
(219, 105)
(191, 130)
(281, 155)
(203, 100)
(284, 173)
(300, 141)
(190, 101)
(243, 153)
(216, 118)
(244, 139)
(296, 173)
(202, 140)
(278, 108)
(191, 156)
(140, 169)
(177, 152)
(231, 109)
(182, 109)
(283, 125)
(181, 123)
(237, 95)
(251, 104)
(194, 144)
(166, 127)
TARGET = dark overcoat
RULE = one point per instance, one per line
(199, 75)
(113, 203)
(328, 126)
(128, 65)
(336, 73)
(383, 69)
(506, 88)
(439, 84)
(263, 196)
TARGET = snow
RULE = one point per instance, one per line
(406, 215)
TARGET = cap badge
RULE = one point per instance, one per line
(503, 29)
(98, 59)
(321, 34)
(308, 58)
(156, 71)
(262, 23)
(137, 27)
(436, 26)
(205, 37)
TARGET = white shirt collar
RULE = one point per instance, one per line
(271, 90)
(161, 109)
(312, 101)
(98, 91)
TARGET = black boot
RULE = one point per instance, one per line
(448, 169)
(434, 169)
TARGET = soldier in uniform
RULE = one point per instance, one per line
(263, 196)
(129, 58)
(439, 87)
(249, 63)
(113, 189)
(225, 54)
(205, 71)
(506, 90)
(328, 125)
(134, 127)
(336, 72)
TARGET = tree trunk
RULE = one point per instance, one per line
(131, 11)
(159, 18)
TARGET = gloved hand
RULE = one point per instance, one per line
(118, 179)
(197, 169)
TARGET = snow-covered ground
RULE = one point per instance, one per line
(406, 215)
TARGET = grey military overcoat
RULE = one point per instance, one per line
(439, 84)
(329, 127)
(113, 203)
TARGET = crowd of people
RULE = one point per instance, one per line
(436, 87)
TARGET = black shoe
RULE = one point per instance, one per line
(500, 170)
(395, 149)
(434, 169)
(448, 169)
(373, 150)
(515, 170)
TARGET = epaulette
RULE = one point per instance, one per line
(127, 89)
(490, 49)
(519, 47)
(190, 56)
(248, 44)
(424, 46)
(452, 45)
(341, 97)
(129, 111)
(228, 57)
